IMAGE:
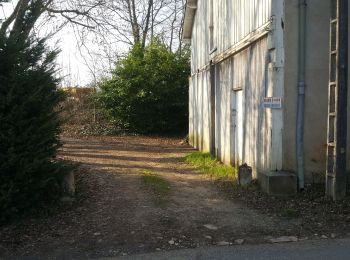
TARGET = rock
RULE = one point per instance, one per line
(97, 234)
(158, 249)
(171, 242)
(333, 235)
(132, 232)
(244, 175)
(223, 243)
(239, 241)
(324, 237)
(284, 239)
(208, 237)
(211, 227)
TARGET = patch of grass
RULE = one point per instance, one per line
(157, 185)
(207, 164)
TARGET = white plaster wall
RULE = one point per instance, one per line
(316, 99)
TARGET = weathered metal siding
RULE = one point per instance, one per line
(243, 126)
(236, 19)
(233, 21)
(200, 37)
(249, 65)
(199, 111)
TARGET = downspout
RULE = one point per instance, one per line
(301, 94)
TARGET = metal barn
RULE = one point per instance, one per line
(246, 84)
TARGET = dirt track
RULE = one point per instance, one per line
(116, 215)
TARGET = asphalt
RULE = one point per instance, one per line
(319, 249)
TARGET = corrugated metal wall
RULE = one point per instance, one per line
(199, 111)
(243, 127)
(233, 20)
(241, 17)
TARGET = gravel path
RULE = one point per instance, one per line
(116, 215)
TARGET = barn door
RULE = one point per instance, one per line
(236, 127)
(212, 109)
(233, 124)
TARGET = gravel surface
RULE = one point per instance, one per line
(114, 214)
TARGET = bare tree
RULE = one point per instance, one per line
(71, 10)
(104, 29)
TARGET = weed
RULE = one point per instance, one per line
(211, 166)
(157, 185)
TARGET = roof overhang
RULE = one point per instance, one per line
(191, 7)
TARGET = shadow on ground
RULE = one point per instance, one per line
(115, 214)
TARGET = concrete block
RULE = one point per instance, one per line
(245, 175)
(68, 185)
(278, 183)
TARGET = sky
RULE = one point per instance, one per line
(73, 68)
(83, 64)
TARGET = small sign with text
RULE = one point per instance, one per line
(272, 102)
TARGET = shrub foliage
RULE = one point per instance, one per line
(148, 93)
(29, 126)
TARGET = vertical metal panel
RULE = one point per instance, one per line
(233, 21)
(244, 76)
(199, 111)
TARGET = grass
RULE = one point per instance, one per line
(207, 164)
(157, 185)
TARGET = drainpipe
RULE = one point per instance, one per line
(301, 94)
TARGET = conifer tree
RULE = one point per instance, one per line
(29, 124)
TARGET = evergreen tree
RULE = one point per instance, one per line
(148, 93)
(29, 125)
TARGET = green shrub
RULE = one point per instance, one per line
(148, 93)
(29, 127)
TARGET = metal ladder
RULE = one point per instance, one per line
(335, 174)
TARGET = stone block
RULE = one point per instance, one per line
(278, 183)
(245, 175)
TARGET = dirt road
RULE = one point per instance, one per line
(115, 214)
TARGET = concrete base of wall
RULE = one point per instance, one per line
(278, 183)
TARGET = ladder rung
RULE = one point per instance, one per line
(330, 174)
(335, 52)
(333, 83)
(334, 21)
(332, 144)
(333, 114)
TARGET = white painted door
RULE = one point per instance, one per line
(236, 127)
(233, 124)
(240, 125)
